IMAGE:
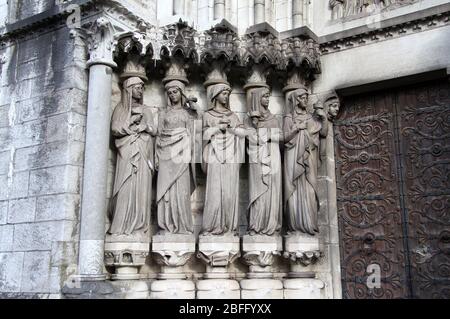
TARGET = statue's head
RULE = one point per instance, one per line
(300, 98)
(332, 104)
(135, 87)
(175, 91)
(265, 98)
(220, 94)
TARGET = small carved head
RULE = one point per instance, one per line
(332, 104)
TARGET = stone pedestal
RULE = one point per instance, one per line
(217, 252)
(259, 252)
(261, 289)
(172, 289)
(303, 288)
(303, 252)
(127, 254)
(172, 252)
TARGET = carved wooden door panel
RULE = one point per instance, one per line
(370, 219)
(392, 154)
(424, 127)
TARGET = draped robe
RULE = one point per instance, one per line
(131, 200)
(300, 174)
(265, 207)
(176, 173)
(222, 157)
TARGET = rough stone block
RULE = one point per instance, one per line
(51, 154)
(19, 185)
(6, 237)
(29, 133)
(11, 265)
(5, 158)
(39, 236)
(3, 187)
(54, 180)
(3, 212)
(4, 116)
(22, 210)
(64, 253)
(28, 110)
(36, 272)
(5, 138)
(57, 207)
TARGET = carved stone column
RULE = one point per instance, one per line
(93, 203)
(219, 9)
(297, 13)
(259, 11)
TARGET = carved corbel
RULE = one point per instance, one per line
(261, 47)
(301, 58)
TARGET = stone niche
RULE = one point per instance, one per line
(229, 261)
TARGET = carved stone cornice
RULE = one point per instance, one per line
(379, 34)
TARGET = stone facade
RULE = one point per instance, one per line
(60, 73)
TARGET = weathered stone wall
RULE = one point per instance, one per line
(43, 94)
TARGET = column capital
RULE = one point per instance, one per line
(101, 43)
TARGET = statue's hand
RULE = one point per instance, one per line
(320, 114)
(300, 126)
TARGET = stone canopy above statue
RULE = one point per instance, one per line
(261, 45)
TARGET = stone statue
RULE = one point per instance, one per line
(223, 153)
(302, 132)
(337, 8)
(265, 167)
(133, 127)
(174, 156)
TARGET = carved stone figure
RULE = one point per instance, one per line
(176, 168)
(302, 132)
(265, 167)
(337, 8)
(133, 127)
(223, 153)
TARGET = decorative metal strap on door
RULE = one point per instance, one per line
(393, 176)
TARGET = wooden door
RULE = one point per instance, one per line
(392, 151)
